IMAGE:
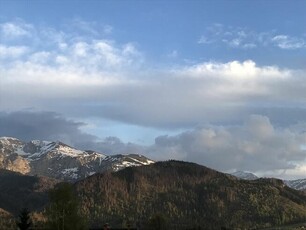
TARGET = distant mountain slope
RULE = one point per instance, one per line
(244, 175)
(299, 184)
(60, 161)
(188, 195)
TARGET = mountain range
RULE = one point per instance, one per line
(185, 195)
(188, 195)
(60, 161)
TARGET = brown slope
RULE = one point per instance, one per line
(7, 220)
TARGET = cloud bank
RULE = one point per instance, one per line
(255, 145)
(84, 74)
(180, 97)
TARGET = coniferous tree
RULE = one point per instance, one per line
(158, 222)
(63, 211)
(24, 220)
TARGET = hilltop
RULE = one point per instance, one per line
(188, 195)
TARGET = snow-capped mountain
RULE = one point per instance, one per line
(60, 161)
(299, 184)
(244, 175)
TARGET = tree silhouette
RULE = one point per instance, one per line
(24, 221)
(158, 222)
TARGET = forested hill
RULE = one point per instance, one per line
(18, 191)
(188, 195)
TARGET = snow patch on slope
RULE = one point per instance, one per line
(244, 175)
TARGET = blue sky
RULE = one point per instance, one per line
(220, 83)
(161, 27)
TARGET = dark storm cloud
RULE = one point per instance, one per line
(50, 126)
(29, 125)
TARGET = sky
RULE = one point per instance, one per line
(219, 83)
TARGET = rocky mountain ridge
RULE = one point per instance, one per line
(59, 160)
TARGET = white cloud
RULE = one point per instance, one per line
(12, 51)
(51, 38)
(234, 82)
(89, 27)
(80, 49)
(55, 56)
(15, 29)
(106, 78)
(255, 146)
(232, 37)
(64, 69)
(37, 75)
(104, 55)
(287, 42)
(82, 45)
(40, 57)
(107, 53)
(235, 70)
(236, 37)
